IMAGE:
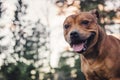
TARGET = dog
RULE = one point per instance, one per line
(99, 52)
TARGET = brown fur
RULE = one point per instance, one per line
(101, 60)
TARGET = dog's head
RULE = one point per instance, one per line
(81, 30)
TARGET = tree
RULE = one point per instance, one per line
(30, 38)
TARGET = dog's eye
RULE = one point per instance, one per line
(66, 26)
(85, 22)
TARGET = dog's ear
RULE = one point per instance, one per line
(95, 13)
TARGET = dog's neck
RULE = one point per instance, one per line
(94, 52)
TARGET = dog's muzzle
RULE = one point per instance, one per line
(78, 42)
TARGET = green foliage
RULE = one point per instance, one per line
(87, 5)
(48, 76)
(19, 71)
(68, 71)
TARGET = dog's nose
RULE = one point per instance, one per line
(74, 34)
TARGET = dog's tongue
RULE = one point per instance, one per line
(78, 47)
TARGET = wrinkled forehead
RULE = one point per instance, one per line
(79, 17)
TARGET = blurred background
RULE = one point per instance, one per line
(32, 46)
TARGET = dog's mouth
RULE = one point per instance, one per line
(81, 46)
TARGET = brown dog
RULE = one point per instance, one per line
(100, 59)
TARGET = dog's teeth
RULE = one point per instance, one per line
(84, 49)
(85, 41)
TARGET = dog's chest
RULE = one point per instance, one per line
(93, 72)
